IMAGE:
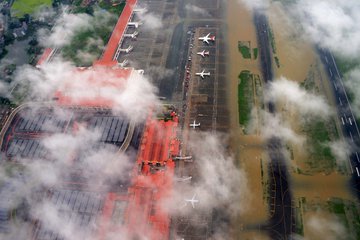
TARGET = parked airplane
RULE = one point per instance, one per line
(207, 38)
(132, 35)
(203, 53)
(194, 124)
(193, 200)
(127, 50)
(203, 74)
(123, 63)
(134, 24)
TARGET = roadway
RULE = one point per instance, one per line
(346, 116)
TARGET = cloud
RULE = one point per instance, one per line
(305, 103)
(65, 28)
(341, 150)
(218, 184)
(326, 227)
(256, 4)
(332, 24)
(132, 97)
(151, 21)
(191, 8)
(273, 125)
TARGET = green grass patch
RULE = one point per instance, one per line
(320, 155)
(245, 94)
(346, 65)
(277, 61)
(22, 7)
(256, 53)
(245, 49)
(272, 40)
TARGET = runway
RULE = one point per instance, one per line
(281, 222)
(346, 117)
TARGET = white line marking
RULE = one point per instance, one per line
(342, 121)
(357, 171)
(331, 74)
(326, 60)
(340, 101)
(352, 139)
(351, 168)
(350, 121)
(335, 86)
(357, 156)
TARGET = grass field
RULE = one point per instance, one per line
(319, 133)
(22, 7)
(245, 97)
(244, 49)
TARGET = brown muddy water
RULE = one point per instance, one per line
(297, 57)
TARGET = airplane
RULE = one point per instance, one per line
(134, 24)
(123, 63)
(183, 179)
(207, 38)
(140, 10)
(194, 124)
(203, 53)
(203, 74)
(132, 35)
(127, 50)
(193, 200)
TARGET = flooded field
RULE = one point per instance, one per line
(249, 149)
(295, 59)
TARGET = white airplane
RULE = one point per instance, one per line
(203, 53)
(134, 24)
(203, 74)
(207, 38)
(194, 124)
(193, 200)
(183, 179)
(123, 63)
(127, 50)
(140, 10)
(132, 35)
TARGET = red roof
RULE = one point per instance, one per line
(107, 57)
(45, 56)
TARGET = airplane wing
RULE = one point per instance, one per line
(192, 204)
(207, 35)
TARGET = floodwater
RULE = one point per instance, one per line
(249, 149)
(297, 59)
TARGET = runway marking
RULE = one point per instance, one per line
(342, 121)
(351, 168)
(340, 101)
(357, 171)
(350, 121)
(357, 156)
(352, 139)
(331, 74)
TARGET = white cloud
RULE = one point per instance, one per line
(332, 24)
(305, 103)
(151, 21)
(191, 8)
(256, 4)
(64, 29)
